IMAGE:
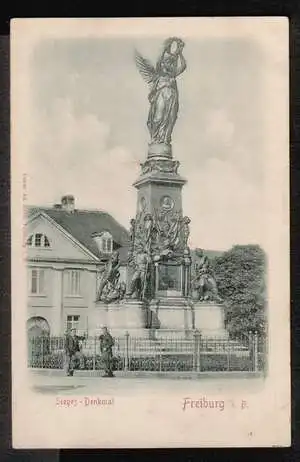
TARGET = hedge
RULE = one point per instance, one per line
(171, 362)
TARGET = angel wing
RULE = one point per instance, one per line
(145, 68)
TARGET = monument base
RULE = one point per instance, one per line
(174, 315)
(127, 315)
(170, 334)
(209, 319)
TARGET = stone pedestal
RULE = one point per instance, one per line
(209, 319)
(175, 316)
(100, 316)
(135, 314)
(172, 334)
(128, 315)
(160, 150)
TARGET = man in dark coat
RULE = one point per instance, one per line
(106, 344)
(72, 351)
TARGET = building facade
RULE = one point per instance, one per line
(67, 250)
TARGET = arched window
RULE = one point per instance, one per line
(38, 332)
(38, 326)
(38, 240)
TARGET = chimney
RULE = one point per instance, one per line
(68, 203)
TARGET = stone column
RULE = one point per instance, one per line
(187, 275)
(185, 281)
(188, 283)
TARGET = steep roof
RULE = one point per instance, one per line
(82, 224)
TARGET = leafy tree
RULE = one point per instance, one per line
(240, 275)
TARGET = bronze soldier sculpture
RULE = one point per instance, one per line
(137, 285)
(132, 232)
(204, 281)
(110, 273)
(186, 231)
(106, 345)
(114, 290)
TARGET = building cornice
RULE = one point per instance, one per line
(63, 260)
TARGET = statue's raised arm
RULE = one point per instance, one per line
(174, 47)
(163, 96)
(181, 66)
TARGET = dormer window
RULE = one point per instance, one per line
(38, 240)
(104, 242)
(107, 243)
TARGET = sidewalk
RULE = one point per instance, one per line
(153, 374)
(133, 384)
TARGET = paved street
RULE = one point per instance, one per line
(131, 385)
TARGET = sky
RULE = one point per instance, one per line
(90, 108)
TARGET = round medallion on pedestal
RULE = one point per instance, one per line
(166, 203)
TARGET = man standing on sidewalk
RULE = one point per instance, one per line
(106, 344)
(72, 351)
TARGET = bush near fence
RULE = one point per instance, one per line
(212, 362)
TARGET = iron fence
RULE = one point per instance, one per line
(168, 354)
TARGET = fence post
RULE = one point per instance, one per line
(199, 352)
(228, 354)
(196, 355)
(94, 353)
(251, 351)
(195, 352)
(160, 357)
(42, 350)
(255, 348)
(126, 365)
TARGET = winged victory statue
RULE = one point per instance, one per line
(163, 96)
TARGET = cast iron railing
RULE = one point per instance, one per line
(168, 354)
